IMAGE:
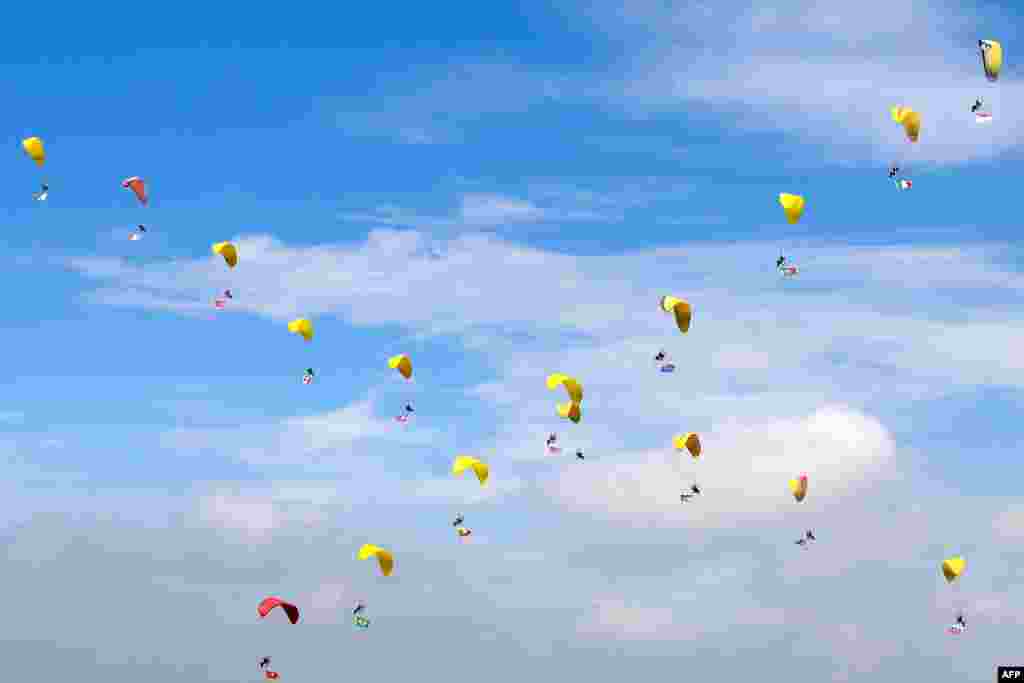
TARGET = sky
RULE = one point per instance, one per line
(505, 190)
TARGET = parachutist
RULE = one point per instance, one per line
(552, 438)
(695, 489)
(810, 535)
(44, 191)
(660, 356)
(265, 662)
(358, 608)
(978, 104)
(579, 454)
(779, 261)
(893, 171)
(458, 520)
(227, 293)
(408, 408)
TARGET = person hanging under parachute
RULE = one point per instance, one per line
(978, 104)
(787, 269)
(44, 192)
(265, 662)
(666, 365)
(358, 620)
(959, 626)
(579, 454)
(686, 496)
(404, 417)
(894, 171)
(459, 519)
(307, 377)
(806, 539)
(552, 448)
(140, 230)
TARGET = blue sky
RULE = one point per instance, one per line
(502, 191)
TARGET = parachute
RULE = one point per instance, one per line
(953, 568)
(303, 327)
(138, 186)
(228, 251)
(689, 441)
(385, 559)
(34, 148)
(793, 205)
(570, 410)
(910, 120)
(401, 363)
(680, 309)
(991, 58)
(463, 462)
(270, 603)
(799, 487)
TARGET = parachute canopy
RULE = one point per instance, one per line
(401, 363)
(385, 559)
(138, 186)
(303, 327)
(953, 568)
(799, 487)
(463, 462)
(689, 441)
(270, 603)
(910, 120)
(34, 149)
(680, 309)
(793, 205)
(991, 58)
(228, 251)
(570, 410)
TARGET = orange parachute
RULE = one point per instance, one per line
(138, 186)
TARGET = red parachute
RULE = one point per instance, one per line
(138, 186)
(270, 603)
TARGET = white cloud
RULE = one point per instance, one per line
(743, 471)
(255, 517)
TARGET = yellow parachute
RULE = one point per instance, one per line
(799, 487)
(385, 559)
(991, 58)
(228, 251)
(303, 327)
(570, 410)
(34, 148)
(910, 120)
(401, 363)
(464, 462)
(953, 568)
(689, 441)
(793, 205)
(680, 309)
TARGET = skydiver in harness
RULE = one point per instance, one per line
(458, 520)
(779, 261)
(694, 491)
(265, 662)
(579, 454)
(44, 192)
(894, 171)
(978, 104)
